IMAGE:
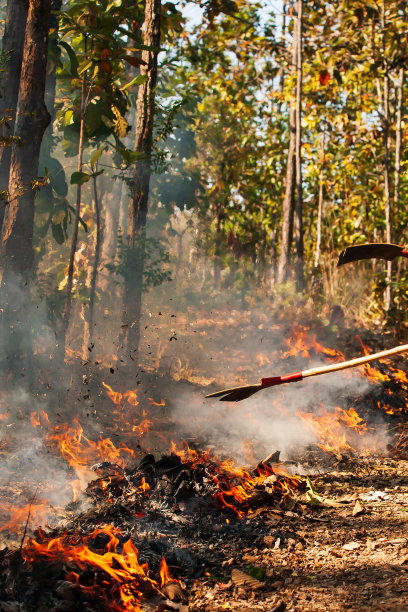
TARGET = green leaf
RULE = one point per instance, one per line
(79, 178)
(256, 572)
(139, 80)
(68, 117)
(72, 57)
(57, 232)
(96, 156)
(95, 174)
(44, 200)
(85, 67)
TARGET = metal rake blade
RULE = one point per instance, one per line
(236, 394)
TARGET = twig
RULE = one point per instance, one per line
(28, 518)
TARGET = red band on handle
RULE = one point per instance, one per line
(280, 380)
(404, 253)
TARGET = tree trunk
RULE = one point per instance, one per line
(74, 239)
(299, 187)
(320, 206)
(139, 187)
(387, 198)
(13, 43)
(89, 310)
(398, 140)
(16, 242)
(289, 202)
(17, 230)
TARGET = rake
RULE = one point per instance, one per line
(371, 251)
(236, 394)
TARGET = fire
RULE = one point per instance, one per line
(39, 418)
(34, 513)
(234, 485)
(329, 428)
(79, 451)
(122, 567)
(261, 359)
(130, 396)
(153, 403)
(165, 574)
(300, 342)
(375, 375)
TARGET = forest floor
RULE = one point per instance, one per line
(323, 558)
(339, 542)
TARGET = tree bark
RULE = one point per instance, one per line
(320, 205)
(89, 309)
(299, 187)
(289, 201)
(398, 140)
(16, 242)
(387, 197)
(139, 187)
(13, 43)
(18, 224)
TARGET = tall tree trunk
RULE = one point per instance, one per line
(289, 201)
(74, 240)
(16, 243)
(299, 187)
(139, 187)
(89, 309)
(387, 197)
(398, 140)
(320, 205)
(18, 224)
(13, 43)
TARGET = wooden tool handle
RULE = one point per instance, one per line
(355, 362)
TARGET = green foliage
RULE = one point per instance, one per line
(154, 256)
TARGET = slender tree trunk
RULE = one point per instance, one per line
(13, 43)
(320, 205)
(398, 141)
(282, 69)
(387, 197)
(217, 252)
(299, 187)
(74, 239)
(289, 201)
(18, 224)
(139, 188)
(89, 310)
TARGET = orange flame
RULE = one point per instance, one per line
(300, 342)
(124, 568)
(165, 574)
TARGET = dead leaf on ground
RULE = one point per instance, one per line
(280, 607)
(351, 545)
(358, 508)
(175, 592)
(241, 579)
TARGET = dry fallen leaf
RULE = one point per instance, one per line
(351, 545)
(241, 579)
(358, 508)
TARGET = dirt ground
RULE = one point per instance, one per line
(323, 557)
